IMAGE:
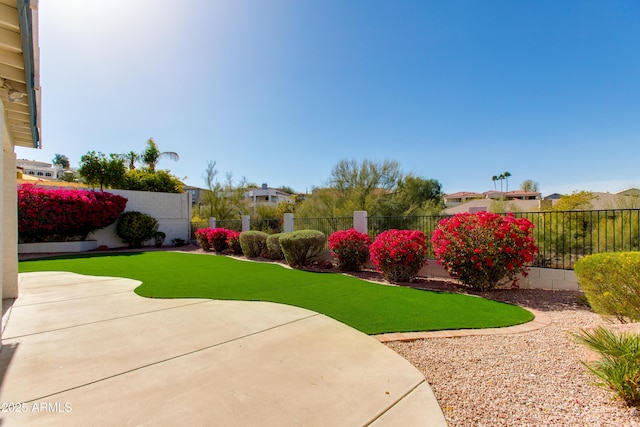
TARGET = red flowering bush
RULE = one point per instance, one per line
(213, 238)
(202, 239)
(399, 254)
(46, 214)
(350, 248)
(484, 250)
(233, 241)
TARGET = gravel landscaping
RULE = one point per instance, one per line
(527, 379)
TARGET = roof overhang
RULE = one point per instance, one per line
(20, 71)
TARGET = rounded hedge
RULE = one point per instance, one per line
(253, 243)
(611, 283)
(300, 247)
(136, 227)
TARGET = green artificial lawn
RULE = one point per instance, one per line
(369, 307)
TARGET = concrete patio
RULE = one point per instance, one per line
(82, 350)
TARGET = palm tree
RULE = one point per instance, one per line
(500, 178)
(61, 160)
(132, 157)
(506, 176)
(494, 178)
(152, 155)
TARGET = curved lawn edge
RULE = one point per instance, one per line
(369, 307)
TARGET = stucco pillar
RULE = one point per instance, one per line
(360, 221)
(212, 222)
(246, 223)
(9, 221)
(287, 223)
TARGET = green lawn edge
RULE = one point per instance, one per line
(368, 307)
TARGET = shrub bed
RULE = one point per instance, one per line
(46, 215)
(300, 247)
(135, 228)
(253, 243)
(233, 241)
(611, 283)
(484, 250)
(273, 247)
(399, 254)
(350, 248)
(619, 366)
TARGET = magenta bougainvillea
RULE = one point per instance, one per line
(213, 238)
(399, 254)
(46, 214)
(233, 241)
(484, 250)
(350, 248)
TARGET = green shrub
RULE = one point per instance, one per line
(619, 365)
(300, 247)
(136, 227)
(611, 283)
(253, 243)
(273, 247)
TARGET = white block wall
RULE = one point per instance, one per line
(173, 212)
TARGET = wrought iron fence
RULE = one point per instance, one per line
(563, 237)
(566, 236)
(326, 225)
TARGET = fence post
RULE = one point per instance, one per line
(360, 221)
(212, 222)
(287, 223)
(246, 223)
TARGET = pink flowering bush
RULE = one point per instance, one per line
(46, 214)
(233, 241)
(350, 248)
(399, 254)
(484, 250)
(213, 238)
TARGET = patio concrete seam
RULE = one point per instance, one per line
(158, 362)
(103, 320)
(72, 299)
(388, 408)
(103, 279)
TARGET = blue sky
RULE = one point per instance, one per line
(279, 91)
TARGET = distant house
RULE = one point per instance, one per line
(197, 193)
(484, 199)
(41, 170)
(266, 196)
(522, 201)
(455, 199)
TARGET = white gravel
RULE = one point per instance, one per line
(528, 379)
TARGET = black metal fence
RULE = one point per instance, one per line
(326, 225)
(563, 237)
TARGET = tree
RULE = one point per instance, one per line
(506, 176)
(360, 185)
(416, 196)
(529, 186)
(61, 160)
(576, 201)
(494, 178)
(222, 201)
(99, 170)
(160, 181)
(131, 157)
(152, 155)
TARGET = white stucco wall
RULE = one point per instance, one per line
(173, 212)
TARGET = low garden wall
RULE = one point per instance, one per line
(173, 212)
